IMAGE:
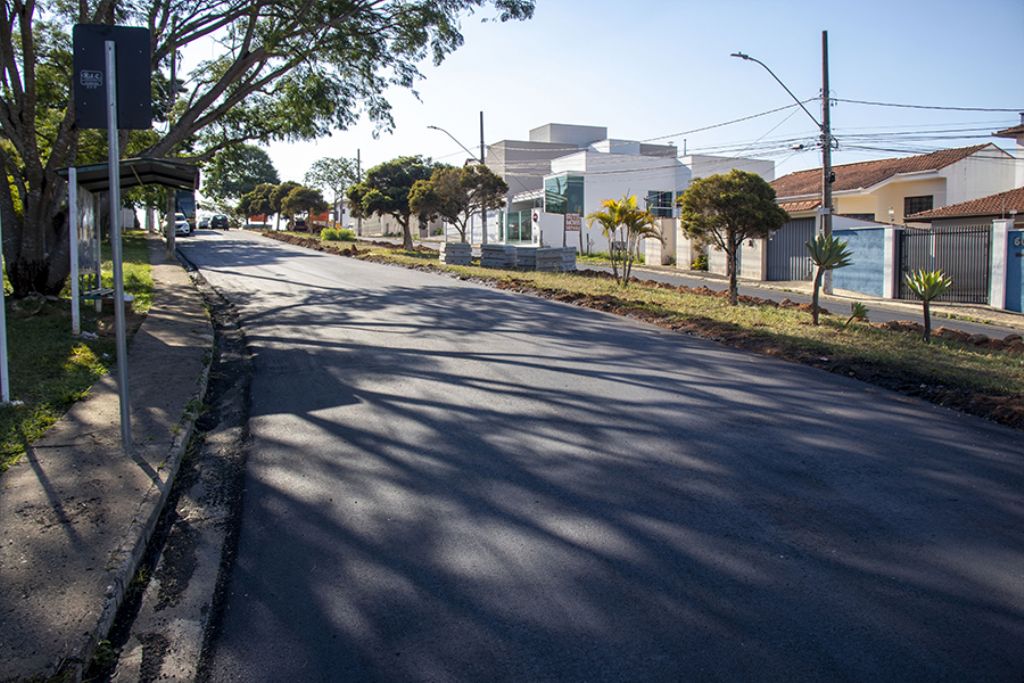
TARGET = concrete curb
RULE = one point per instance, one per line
(127, 558)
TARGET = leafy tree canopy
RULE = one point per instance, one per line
(284, 70)
(725, 209)
(302, 199)
(332, 174)
(237, 170)
(384, 191)
(455, 194)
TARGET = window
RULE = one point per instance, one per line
(563, 194)
(660, 203)
(913, 205)
(860, 216)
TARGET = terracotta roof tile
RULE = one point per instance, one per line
(800, 205)
(1013, 132)
(992, 205)
(867, 173)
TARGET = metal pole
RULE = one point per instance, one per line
(76, 317)
(826, 155)
(483, 211)
(173, 96)
(359, 179)
(98, 229)
(114, 164)
(5, 380)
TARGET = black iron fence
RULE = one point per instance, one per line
(962, 253)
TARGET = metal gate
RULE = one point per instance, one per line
(961, 253)
(787, 251)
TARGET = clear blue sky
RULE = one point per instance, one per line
(656, 68)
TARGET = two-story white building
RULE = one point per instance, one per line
(569, 169)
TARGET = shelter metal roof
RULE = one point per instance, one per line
(171, 173)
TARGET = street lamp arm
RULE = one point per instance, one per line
(748, 58)
(471, 154)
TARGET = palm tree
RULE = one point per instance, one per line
(827, 253)
(928, 285)
(624, 224)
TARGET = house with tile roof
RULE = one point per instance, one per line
(1016, 133)
(978, 212)
(889, 190)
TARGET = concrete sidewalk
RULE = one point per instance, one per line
(75, 513)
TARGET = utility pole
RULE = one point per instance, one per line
(359, 179)
(826, 154)
(172, 205)
(483, 211)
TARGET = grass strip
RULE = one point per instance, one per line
(51, 370)
(984, 382)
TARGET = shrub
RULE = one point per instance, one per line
(338, 235)
(700, 262)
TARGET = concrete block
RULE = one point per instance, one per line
(455, 253)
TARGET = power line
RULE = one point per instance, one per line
(925, 106)
(728, 123)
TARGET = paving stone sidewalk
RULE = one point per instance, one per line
(75, 512)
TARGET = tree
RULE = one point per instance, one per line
(456, 194)
(332, 174)
(277, 196)
(624, 225)
(302, 199)
(928, 286)
(237, 170)
(285, 69)
(385, 191)
(257, 201)
(827, 253)
(726, 209)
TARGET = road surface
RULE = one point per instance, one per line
(452, 483)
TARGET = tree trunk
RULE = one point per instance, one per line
(927, 321)
(406, 234)
(730, 266)
(36, 247)
(814, 298)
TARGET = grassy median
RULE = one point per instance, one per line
(50, 370)
(985, 382)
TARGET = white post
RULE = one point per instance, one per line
(5, 380)
(997, 275)
(114, 165)
(98, 229)
(890, 268)
(76, 317)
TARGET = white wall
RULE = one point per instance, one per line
(985, 172)
(703, 165)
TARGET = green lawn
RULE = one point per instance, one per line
(49, 369)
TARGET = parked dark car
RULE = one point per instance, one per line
(219, 222)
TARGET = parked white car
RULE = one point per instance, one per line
(181, 227)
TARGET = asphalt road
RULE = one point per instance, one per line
(448, 482)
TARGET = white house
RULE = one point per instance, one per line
(568, 169)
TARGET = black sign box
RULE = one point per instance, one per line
(134, 93)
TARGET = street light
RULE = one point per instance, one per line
(455, 139)
(483, 212)
(827, 177)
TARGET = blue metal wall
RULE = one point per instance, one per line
(1015, 271)
(867, 272)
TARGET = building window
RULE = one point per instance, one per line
(519, 226)
(860, 216)
(563, 194)
(660, 203)
(912, 205)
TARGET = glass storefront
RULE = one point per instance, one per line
(563, 194)
(519, 226)
(660, 203)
